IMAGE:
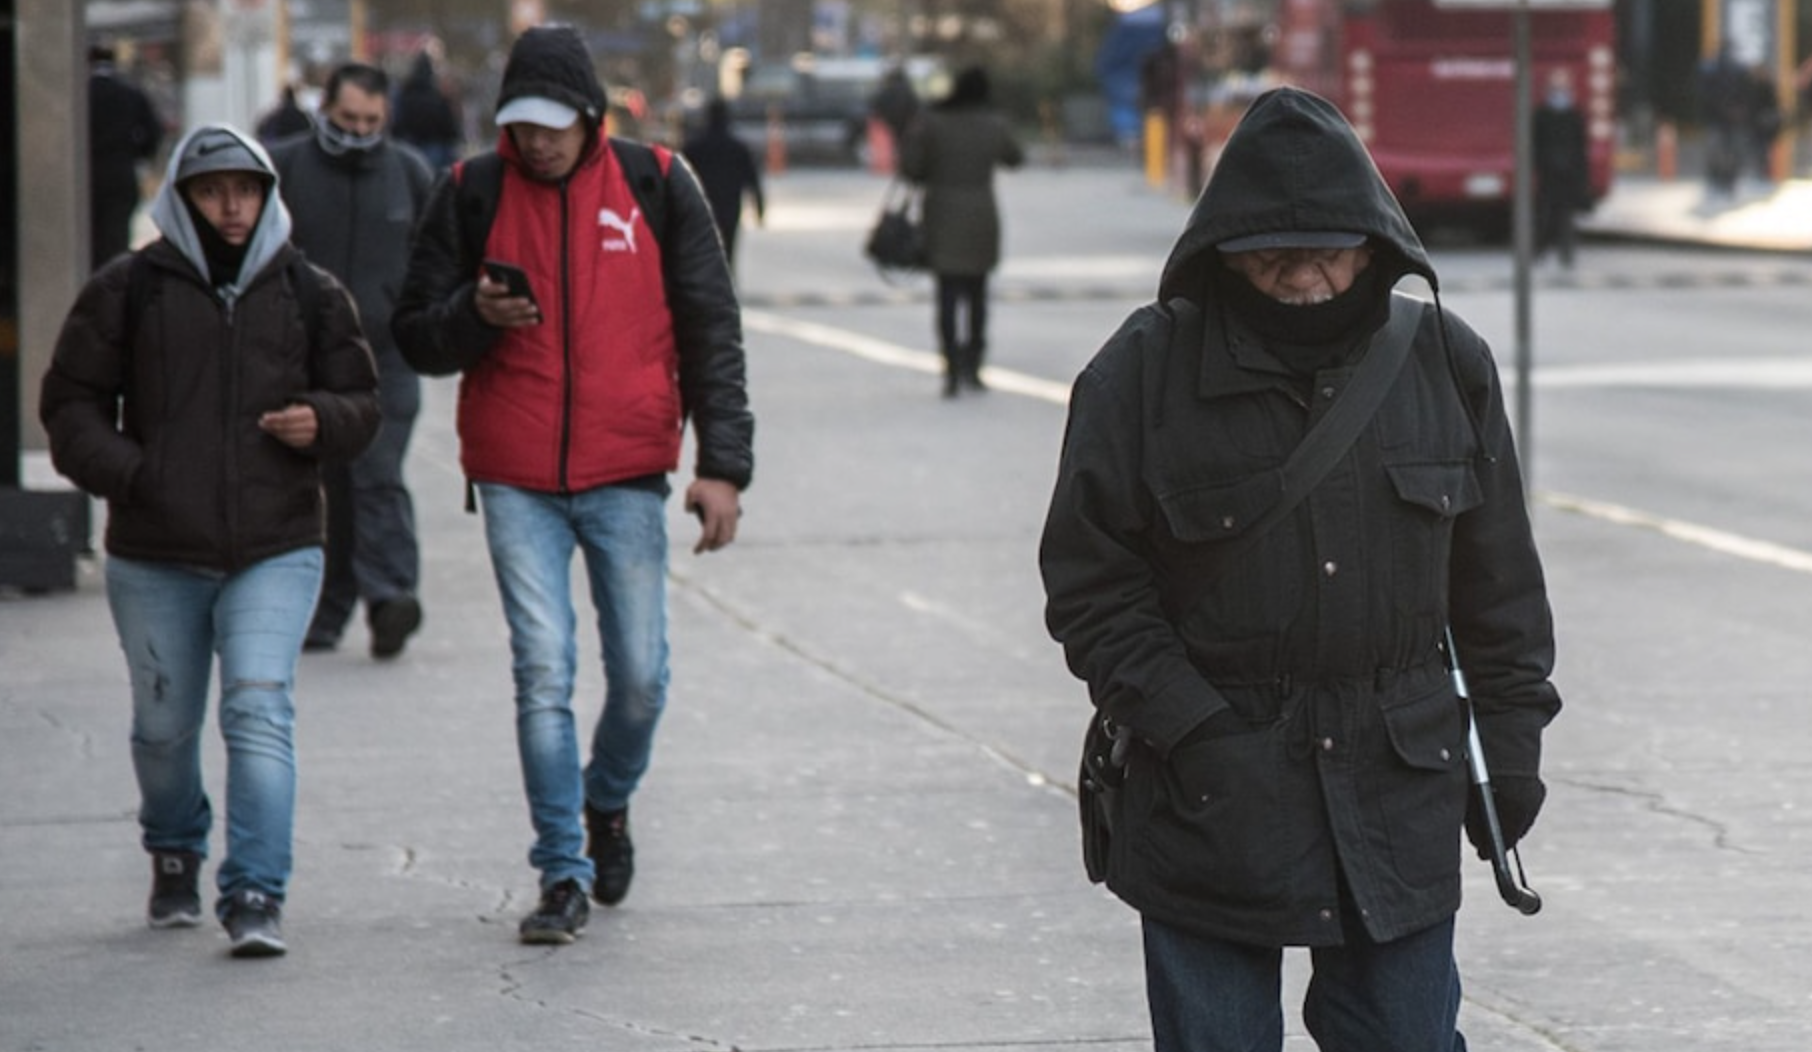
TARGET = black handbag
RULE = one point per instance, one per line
(897, 241)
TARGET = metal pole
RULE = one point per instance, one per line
(1523, 219)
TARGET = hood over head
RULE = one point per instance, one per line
(1293, 174)
(220, 148)
(550, 65)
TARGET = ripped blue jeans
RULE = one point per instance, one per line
(172, 621)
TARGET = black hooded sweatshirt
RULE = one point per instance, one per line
(1338, 752)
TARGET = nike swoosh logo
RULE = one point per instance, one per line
(215, 147)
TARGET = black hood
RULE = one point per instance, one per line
(1293, 163)
(552, 62)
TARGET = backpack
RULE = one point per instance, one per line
(480, 183)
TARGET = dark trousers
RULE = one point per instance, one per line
(963, 340)
(1209, 995)
(372, 552)
(1554, 226)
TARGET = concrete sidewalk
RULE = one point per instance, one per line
(1771, 218)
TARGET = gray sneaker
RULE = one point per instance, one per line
(175, 900)
(253, 922)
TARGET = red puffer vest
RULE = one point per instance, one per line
(591, 395)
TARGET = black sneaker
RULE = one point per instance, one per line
(253, 923)
(559, 918)
(393, 621)
(611, 852)
(175, 902)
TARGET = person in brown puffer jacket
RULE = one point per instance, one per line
(197, 385)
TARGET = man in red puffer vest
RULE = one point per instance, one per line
(586, 333)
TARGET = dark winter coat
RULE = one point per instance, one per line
(1346, 753)
(161, 419)
(952, 151)
(354, 215)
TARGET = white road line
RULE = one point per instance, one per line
(1716, 540)
(1730, 373)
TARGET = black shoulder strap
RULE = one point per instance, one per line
(1323, 447)
(642, 168)
(480, 183)
(308, 296)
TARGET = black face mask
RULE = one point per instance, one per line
(1336, 323)
(225, 259)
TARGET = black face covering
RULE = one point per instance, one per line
(1311, 336)
(224, 260)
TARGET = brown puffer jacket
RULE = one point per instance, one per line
(163, 422)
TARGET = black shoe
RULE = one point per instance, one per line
(253, 921)
(393, 621)
(314, 644)
(611, 852)
(175, 902)
(559, 918)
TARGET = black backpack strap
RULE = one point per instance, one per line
(307, 287)
(647, 180)
(480, 183)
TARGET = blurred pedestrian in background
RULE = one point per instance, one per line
(1562, 177)
(584, 349)
(1765, 121)
(355, 196)
(197, 386)
(123, 133)
(952, 150)
(726, 169)
(425, 117)
(896, 106)
(285, 119)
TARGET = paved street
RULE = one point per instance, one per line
(859, 831)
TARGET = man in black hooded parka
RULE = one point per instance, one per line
(1296, 769)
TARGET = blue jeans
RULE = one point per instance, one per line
(622, 532)
(172, 620)
(1210, 995)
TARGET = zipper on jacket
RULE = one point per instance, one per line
(229, 386)
(566, 336)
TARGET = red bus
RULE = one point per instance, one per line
(1431, 89)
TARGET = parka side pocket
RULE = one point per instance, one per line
(1431, 496)
(1422, 799)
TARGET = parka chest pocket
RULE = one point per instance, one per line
(1248, 598)
(1207, 512)
(1430, 495)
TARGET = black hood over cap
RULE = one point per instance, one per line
(1292, 163)
(552, 62)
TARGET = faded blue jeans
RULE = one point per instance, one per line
(622, 533)
(1210, 995)
(172, 622)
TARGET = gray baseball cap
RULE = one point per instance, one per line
(219, 150)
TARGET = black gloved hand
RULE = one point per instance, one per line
(1519, 798)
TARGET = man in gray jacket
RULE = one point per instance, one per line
(355, 195)
(1295, 760)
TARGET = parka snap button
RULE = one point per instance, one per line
(1445, 755)
(1328, 391)
(1326, 915)
(1327, 745)
(1446, 502)
(1330, 568)
(1226, 522)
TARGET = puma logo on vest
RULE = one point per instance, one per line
(608, 217)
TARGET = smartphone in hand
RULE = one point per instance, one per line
(511, 276)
